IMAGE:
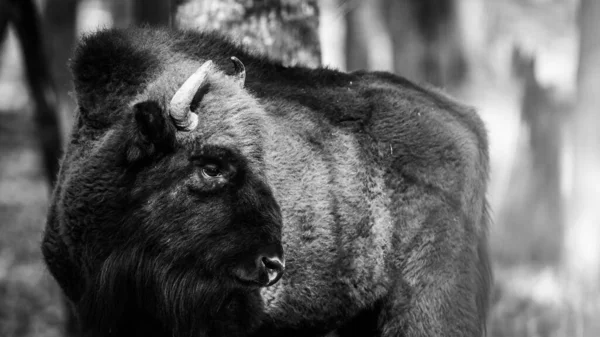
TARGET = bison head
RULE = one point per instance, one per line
(165, 220)
(228, 212)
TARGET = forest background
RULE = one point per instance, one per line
(530, 67)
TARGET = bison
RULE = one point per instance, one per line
(197, 172)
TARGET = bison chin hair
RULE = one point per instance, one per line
(139, 295)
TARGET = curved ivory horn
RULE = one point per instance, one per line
(240, 71)
(180, 103)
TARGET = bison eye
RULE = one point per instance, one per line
(211, 171)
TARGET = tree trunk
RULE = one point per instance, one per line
(418, 39)
(472, 34)
(582, 239)
(427, 41)
(532, 206)
(4, 17)
(152, 12)
(370, 43)
(282, 29)
(25, 19)
(333, 33)
(60, 24)
(356, 51)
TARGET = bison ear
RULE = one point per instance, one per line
(152, 131)
(109, 68)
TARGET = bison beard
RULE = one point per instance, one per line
(194, 165)
(137, 295)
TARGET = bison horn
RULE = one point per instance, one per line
(240, 71)
(180, 103)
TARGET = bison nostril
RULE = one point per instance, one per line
(274, 268)
(273, 263)
(263, 269)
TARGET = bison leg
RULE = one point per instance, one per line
(444, 291)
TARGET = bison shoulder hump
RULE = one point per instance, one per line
(432, 140)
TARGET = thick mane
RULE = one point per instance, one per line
(134, 287)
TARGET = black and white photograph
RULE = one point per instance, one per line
(299, 168)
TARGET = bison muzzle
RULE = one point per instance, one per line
(194, 166)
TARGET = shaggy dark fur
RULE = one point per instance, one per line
(374, 186)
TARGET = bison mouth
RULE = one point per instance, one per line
(264, 270)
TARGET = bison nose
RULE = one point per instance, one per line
(263, 270)
(274, 268)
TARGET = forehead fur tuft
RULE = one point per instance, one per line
(107, 71)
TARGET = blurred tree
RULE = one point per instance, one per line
(60, 24)
(123, 13)
(4, 16)
(283, 29)
(439, 59)
(152, 12)
(471, 36)
(533, 207)
(418, 39)
(333, 33)
(582, 239)
(370, 42)
(24, 17)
